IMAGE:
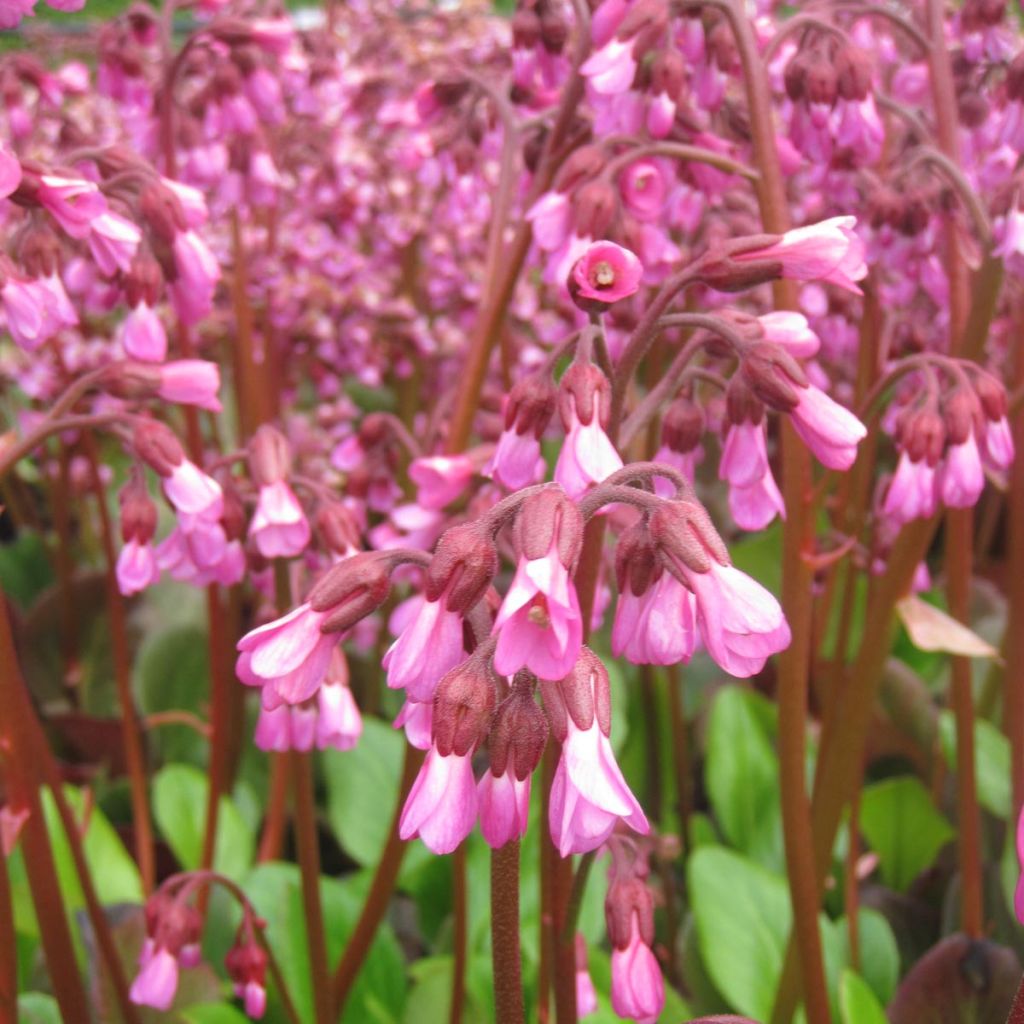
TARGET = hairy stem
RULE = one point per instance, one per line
(506, 958)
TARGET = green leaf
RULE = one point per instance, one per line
(743, 917)
(760, 555)
(903, 827)
(857, 1003)
(25, 568)
(212, 1013)
(179, 806)
(362, 787)
(991, 762)
(878, 953)
(38, 1008)
(742, 777)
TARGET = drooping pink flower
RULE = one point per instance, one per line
(644, 189)
(157, 980)
(792, 332)
(417, 721)
(504, 803)
(638, 989)
(440, 479)
(753, 506)
(339, 724)
(961, 476)
(606, 273)
(198, 273)
(25, 309)
(113, 242)
(73, 202)
(588, 455)
(136, 567)
(279, 527)
(829, 429)
(656, 627)
(428, 647)
(744, 454)
(142, 334)
(612, 68)
(827, 251)
(441, 807)
(551, 218)
(997, 443)
(193, 492)
(288, 657)
(191, 382)
(586, 996)
(912, 492)
(517, 460)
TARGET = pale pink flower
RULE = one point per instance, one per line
(829, 429)
(191, 382)
(997, 446)
(586, 996)
(656, 627)
(143, 335)
(25, 309)
(157, 980)
(612, 68)
(1018, 896)
(792, 332)
(417, 719)
(912, 491)
(279, 527)
(428, 647)
(113, 242)
(551, 218)
(961, 476)
(10, 167)
(754, 505)
(504, 803)
(198, 274)
(517, 460)
(441, 807)
(644, 189)
(193, 492)
(638, 989)
(136, 567)
(440, 479)
(339, 723)
(587, 457)
(73, 202)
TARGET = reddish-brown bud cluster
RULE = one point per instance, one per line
(519, 731)
(39, 250)
(684, 535)
(627, 897)
(583, 392)
(351, 590)
(549, 517)
(922, 434)
(531, 404)
(269, 456)
(464, 563)
(683, 425)
(463, 706)
(156, 445)
(246, 962)
(962, 414)
(581, 165)
(138, 512)
(171, 923)
(853, 72)
(992, 395)
(773, 375)
(583, 695)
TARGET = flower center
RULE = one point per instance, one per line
(538, 613)
(603, 274)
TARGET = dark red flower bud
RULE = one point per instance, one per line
(531, 404)
(584, 163)
(546, 518)
(1015, 79)
(351, 590)
(853, 72)
(644, 16)
(636, 560)
(741, 405)
(525, 28)
(820, 80)
(449, 90)
(794, 76)
(246, 963)
(668, 74)
(172, 923)
(923, 435)
(594, 206)
(583, 392)
(583, 695)
(683, 534)
(519, 731)
(962, 412)
(338, 527)
(232, 516)
(138, 512)
(162, 211)
(683, 425)
(463, 706)
(722, 46)
(773, 375)
(464, 563)
(269, 456)
(992, 396)
(143, 281)
(626, 897)
(554, 31)
(157, 446)
(131, 379)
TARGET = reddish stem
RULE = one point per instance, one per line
(459, 913)
(506, 958)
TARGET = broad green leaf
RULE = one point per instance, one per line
(362, 787)
(743, 917)
(857, 1003)
(25, 568)
(878, 953)
(760, 555)
(991, 762)
(179, 806)
(742, 777)
(38, 1008)
(212, 1013)
(903, 827)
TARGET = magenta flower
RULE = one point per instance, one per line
(428, 647)
(198, 274)
(157, 980)
(792, 332)
(638, 989)
(606, 273)
(611, 69)
(587, 456)
(73, 202)
(136, 567)
(961, 476)
(143, 336)
(551, 217)
(10, 166)
(912, 491)
(279, 527)
(288, 657)
(25, 306)
(441, 807)
(339, 723)
(517, 460)
(829, 429)
(193, 492)
(113, 242)
(753, 506)
(644, 190)
(440, 479)
(191, 382)
(586, 996)
(744, 454)
(504, 803)
(997, 443)
(827, 251)
(656, 627)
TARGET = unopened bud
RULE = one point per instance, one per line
(131, 379)
(463, 705)
(549, 517)
(683, 534)
(519, 731)
(138, 512)
(853, 73)
(923, 435)
(143, 280)
(351, 590)
(741, 404)
(683, 425)
(962, 414)
(992, 396)
(773, 375)
(463, 565)
(162, 211)
(269, 456)
(582, 165)
(636, 560)
(820, 83)
(531, 404)
(156, 445)
(668, 73)
(338, 528)
(626, 897)
(594, 206)
(583, 392)
(583, 696)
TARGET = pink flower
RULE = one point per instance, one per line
(10, 167)
(589, 794)
(143, 336)
(830, 430)
(339, 724)
(656, 627)
(73, 202)
(961, 477)
(606, 273)
(428, 647)
(744, 454)
(279, 527)
(113, 241)
(136, 567)
(912, 491)
(441, 807)
(440, 479)
(551, 217)
(1018, 896)
(753, 506)
(25, 309)
(586, 996)
(517, 460)
(792, 332)
(997, 443)
(191, 382)
(539, 625)
(417, 721)
(193, 492)
(828, 251)
(504, 804)
(638, 989)
(288, 657)
(198, 274)
(644, 189)
(157, 980)
(587, 457)
(611, 69)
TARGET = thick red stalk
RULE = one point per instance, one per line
(506, 958)
(460, 910)
(1013, 675)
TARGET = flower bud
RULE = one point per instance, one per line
(636, 560)
(992, 396)
(519, 731)
(39, 250)
(545, 518)
(554, 31)
(138, 512)
(269, 456)
(773, 375)
(682, 532)
(668, 73)
(683, 425)
(337, 527)
(464, 563)
(853, 73)
(131, 379)
(741, 405)
(583, 695)
(594, 206)
(156, 445)
(923, 435)
(582, 165)
(525, 28)
(463, 705)
(583, 392)
(142, 282)
(626, 897)
(531, 404)
(351, 590)
(162, 211)
(962, 415)
(820, 81)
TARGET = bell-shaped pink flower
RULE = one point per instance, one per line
(997, 444)
(611, 69)
(428, 647)
(339, 723)
(441, 806)
(417, 720)
(586, 996)
(912, 491)
(827, 251)
(587, 457)
(829, 429)
(551, 218)
(143, 336)
(193, 492)
(73, 202)
(656, 627)
(157, 980)
(504, 803)
(113, 242)
(517, 460)
(279, 527)
(753, 506)
(440, 479)
(792, 332)
(198, 274)
(25, 310)
(288, 657)
(539, 625)
(744, 454)
(136, 567)
(961, 476)
(191, 382)
(606, 272)
(638, 989)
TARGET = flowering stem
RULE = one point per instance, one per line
(459, 913)
(379, 896)
(1017, 1009)
(142, 824)
(1013, 675)
(9, 949)
(9, 457)
(272, 837)
(506, 957)
(579, 887)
